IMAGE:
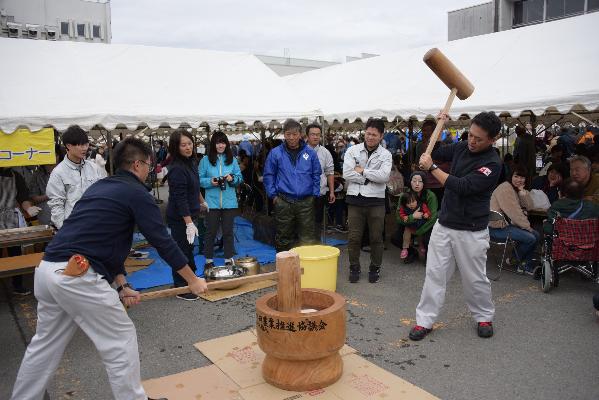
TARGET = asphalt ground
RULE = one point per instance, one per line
(544, 347)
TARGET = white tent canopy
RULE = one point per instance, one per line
(533, 68)
(65, 83)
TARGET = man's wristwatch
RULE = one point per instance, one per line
(124, 285)
(433, 167)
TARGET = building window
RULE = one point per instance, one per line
(574, 6)
(81, 30)
(96, 31)
(528, 11)
(64, 28)
(592, 5)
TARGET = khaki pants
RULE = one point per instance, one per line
(358, 219)
(294, 220)
(88, 302)
(468, 250)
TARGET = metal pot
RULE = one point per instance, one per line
(223, 273)
(250, 264)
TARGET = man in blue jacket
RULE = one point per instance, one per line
(100, 228)
(460, 236)
(292, 181)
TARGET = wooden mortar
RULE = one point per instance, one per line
(302, 349)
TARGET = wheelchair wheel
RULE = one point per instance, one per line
(546, 276)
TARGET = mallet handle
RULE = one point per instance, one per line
(440, 123)
(211, 285)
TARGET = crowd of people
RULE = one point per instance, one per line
(443, 201)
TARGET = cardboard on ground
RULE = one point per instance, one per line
(197, 384)
(240, 357)
(361, 380)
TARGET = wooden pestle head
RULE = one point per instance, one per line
(448, 73)
(289, 290)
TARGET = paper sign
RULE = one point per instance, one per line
(23, 147)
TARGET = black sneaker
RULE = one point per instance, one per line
(366, 249)
(419, 332)
(21, 291)
(485, 329)
(187, 297)
(162, 398)
(374, 274)
(354, 274)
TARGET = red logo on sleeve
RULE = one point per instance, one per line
(485, 170)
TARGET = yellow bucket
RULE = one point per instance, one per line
(320, 266)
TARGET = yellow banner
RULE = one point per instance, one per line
(23, 147)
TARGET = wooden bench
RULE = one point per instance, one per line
(19, 265)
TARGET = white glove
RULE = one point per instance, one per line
(33, 211)
(191, 231)
(205, 205)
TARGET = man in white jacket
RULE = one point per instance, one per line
(69, 180)
(366, 169)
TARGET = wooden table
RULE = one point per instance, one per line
(26, 263)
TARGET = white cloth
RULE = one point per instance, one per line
(539, 199)
(448, 247)
(68, 181)
(101, 165)
(377, 169)
(88, 302)
(326, 165)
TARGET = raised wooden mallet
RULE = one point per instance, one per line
(451, 76)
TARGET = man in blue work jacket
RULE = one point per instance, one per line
(292, 181)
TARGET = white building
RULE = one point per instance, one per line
(501, 15)
(75, 20)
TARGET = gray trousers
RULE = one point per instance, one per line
(88, 302)
(214, 219)
(468, 250)
(357, 220)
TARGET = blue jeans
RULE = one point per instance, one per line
(525, 241)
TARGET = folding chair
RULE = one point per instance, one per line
(496, 216)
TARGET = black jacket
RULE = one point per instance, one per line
(468, 188)
(183, 190)
(101, 227)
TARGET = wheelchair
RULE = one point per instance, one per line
(574, 244)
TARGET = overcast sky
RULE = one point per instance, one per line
(319, 29)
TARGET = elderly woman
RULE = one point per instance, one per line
(423, 232)
(512, 200)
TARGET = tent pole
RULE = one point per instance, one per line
(324, 209)
(110, 153)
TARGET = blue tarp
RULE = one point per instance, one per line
(159, 273)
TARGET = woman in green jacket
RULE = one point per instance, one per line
(423, 233)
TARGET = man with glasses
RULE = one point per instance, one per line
(101, 230)
(69, 180)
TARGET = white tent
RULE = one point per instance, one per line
(533, 68)
(65, 83)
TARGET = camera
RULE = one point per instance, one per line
(222, 182)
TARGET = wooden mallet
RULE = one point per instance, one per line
(455, 81)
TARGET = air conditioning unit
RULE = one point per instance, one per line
(14, 29)
(51, 32)
(33, 31)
